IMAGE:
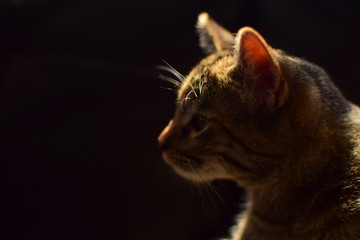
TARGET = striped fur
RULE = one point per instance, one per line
(276, 125)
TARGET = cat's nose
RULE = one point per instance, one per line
(163, 139)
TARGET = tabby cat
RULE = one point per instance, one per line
(276, 125)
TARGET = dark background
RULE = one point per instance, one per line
(81, 108)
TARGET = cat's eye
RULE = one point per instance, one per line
(199, 122)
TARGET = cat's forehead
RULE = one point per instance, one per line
(212, 70)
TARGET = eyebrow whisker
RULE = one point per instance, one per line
(178, 76)
(170, 80)
(166, 88)
(176, 73)
(184, 101)
(192, 91)
(174, 70)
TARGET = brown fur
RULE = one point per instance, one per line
(277, 126)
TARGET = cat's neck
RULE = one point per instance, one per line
(318, 187)
(285, 204)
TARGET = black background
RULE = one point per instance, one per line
(81, 108)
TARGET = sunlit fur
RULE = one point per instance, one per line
(298, 157)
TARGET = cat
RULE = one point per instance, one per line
(276, 125)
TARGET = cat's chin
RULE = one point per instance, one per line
(202, 174)
(192, 175)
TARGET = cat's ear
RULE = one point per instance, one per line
(212, 36)
(255, 57)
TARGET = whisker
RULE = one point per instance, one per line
(200, 190)
(228, 192)
(187, 98)
(169, 79)
(206, 186)
(172, 71)
(190, 92)
(213, 189)
(201, 84)
(166, 88)
(192, 87)
(182, 103)
(196, 184)
(200, 80)
(181, 76)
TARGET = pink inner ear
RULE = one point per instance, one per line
(254, 50)
(255, 55)
(255, 59)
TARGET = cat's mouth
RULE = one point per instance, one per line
(186, 166)
(191, 167)
(188, 163)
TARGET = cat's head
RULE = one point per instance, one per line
(235, 117)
